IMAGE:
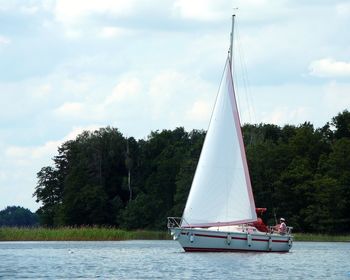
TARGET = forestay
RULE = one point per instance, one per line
(221, 192)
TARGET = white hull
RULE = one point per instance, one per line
(209, 240)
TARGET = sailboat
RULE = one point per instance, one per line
(220, 213)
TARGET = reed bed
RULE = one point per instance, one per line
(77, 234)
(110, 233)
(320, 237)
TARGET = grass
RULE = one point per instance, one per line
(77, 234)
(320, 237)
(109, 233)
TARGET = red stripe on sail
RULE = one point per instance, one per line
(219, 224)
(229, 82)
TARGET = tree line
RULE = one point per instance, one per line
(16, 216)
(298, 172)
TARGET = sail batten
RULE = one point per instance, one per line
(221, 192)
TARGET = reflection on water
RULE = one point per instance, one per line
(166, 260)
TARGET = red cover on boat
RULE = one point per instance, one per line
(259, 211)
(260, 226)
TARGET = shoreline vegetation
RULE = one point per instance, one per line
(114, 234)
(318, 237)
(300, 172)
(78, 234)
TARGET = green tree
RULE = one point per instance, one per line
(298, 172)
(341, 122)
(336, 169)
(16, 216)
(49, 192)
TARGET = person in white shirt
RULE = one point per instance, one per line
(282, 228)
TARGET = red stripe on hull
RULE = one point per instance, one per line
(280, 241)
(211, 236)
(208, 250)
(237, 238)
(263, 240)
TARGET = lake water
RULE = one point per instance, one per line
(166, 260)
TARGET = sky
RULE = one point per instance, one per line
(69, 66)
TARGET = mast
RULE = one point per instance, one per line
(128, 163)
(231, 43)
(221, 192)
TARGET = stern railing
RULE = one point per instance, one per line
(273, 229)
(174, 222)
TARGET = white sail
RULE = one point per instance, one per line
(221, 192)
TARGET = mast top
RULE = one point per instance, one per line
(231, 41)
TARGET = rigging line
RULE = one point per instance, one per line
(236, 82)
(244, 77)
(245, 81)
(249, 93)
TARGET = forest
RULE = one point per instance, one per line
(299, 172)
(16, 216)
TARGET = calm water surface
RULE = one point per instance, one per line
(166, 260)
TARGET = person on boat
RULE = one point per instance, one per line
(282, 228)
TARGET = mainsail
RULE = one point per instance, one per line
(221, 192)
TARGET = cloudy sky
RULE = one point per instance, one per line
(67, 66)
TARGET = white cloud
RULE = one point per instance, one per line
(286, 115)
(44, 152)
(328, 67)
(29, 10)
(297, 103)
(200, 9)
(172, 93)
(19, 165)
(200, 111)
(26, 7)
(169, 99)
(26, 156)
(285, 104)
(165, 76)
(77, 16)
(76, 130)
(71, 12)
(122, 99)
(127, 88)
(36, 155)
(343, 9)
(112, 32)
(43, 90)
(337, 96)
(80, 84)
(70, 110)
(165, 89)
(221, 10)
(4, 40)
